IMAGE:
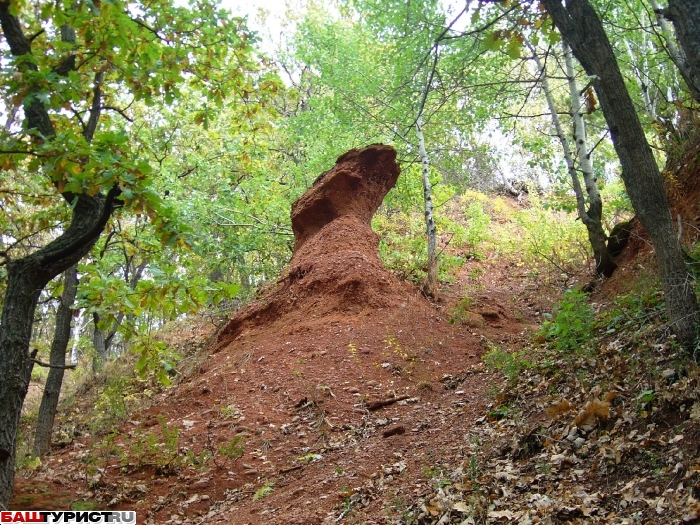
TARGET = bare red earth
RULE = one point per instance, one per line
(297, 372)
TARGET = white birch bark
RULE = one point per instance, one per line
(592, 216)
(568, 156)
(584, 156)
(642, 80)
(429, 218)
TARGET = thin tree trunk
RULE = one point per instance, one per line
(102, 340)
(581, 28)
(432, 277)
(57, 358)
(98, 342)
(596, 235)
(643, 81)
(593, 218)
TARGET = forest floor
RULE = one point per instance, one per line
(456, 410)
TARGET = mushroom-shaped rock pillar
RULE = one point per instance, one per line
(335, 266)
(355, 186)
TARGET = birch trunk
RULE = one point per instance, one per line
(596, 235)
(432, 277)
(593, 217)
(643, 81)
(685, 15)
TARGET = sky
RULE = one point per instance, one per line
(267, 17)
(264, 16)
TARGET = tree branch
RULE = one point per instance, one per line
(73, 239)
(47, 365)
(95, 108)
(120, 111)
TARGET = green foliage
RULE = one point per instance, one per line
(159, 448)
(402, 247)
(646, 396)
(570, 331)
(511, 364)
(25, 458)
(501, 412)
(460, 312)
(477, 226)
(154, 448)
(263, 491)
(156, 357)
(114, 403)
(84, 505)
(147, 54)
(309, 458)
(547, 240)
(39, 374)
(634, 311)
(231, 450)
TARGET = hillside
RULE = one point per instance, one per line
(341, 394)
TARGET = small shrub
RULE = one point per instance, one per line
(571, 328)
(460, 313)
(477, 228)
(39, 374)
(114, 404)
(263, 491)
(635, 310)
(512, 364)
(149, 448)
(230, 451)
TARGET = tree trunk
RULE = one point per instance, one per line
(98, 342)
(432, 277)
(581, 28)
(26, 278)
(642, 69)
(57, 358)
(591, 218)
(23, 289)
(102, 340)
(685, 15)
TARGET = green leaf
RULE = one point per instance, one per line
(493, 41)
(514, 47)
(162, 377)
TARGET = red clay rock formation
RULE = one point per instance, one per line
(335, 266)
(356, 186)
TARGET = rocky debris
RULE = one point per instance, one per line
(394, 431)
